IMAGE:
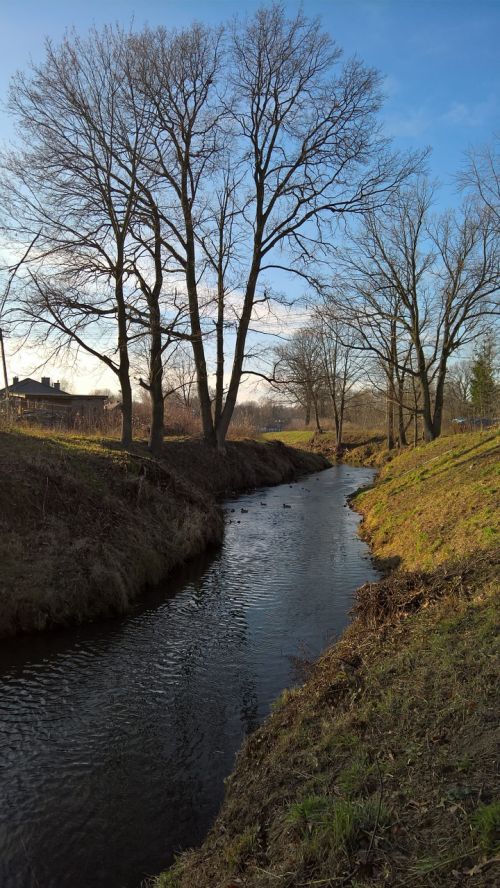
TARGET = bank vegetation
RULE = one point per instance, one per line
(381, 769)
(86, 525)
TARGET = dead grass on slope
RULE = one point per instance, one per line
(86, 525)
(381, 769)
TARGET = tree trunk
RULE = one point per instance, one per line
(203, 391)
(221, 441)
(429, 433)
(219, 373)
(156, 431)
(390, 411)
(316, 416)
(439, 396)
(401, 420)
(307, 419)
(194, 316)
(340, 429)
(156, 394)
(239, 350)
(415, 410)
(123, 356)
(126, 407)
(337, 423)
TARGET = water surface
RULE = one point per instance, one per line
(115, 738)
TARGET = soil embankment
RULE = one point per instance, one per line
(86, 526)
(381, 769)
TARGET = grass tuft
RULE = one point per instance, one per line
(486, 826)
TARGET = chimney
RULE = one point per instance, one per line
(15, 380)
(45, 380)
(57, 386)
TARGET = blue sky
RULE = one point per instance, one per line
(440, 58)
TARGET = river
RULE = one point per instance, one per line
(116, 737)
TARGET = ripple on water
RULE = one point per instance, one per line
(115, 738)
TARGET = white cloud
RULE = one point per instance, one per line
(473, 114)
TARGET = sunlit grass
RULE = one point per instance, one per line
(374, 770)
(437, 501)
(293, 438)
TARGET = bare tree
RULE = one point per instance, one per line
(87, 182)
(193, 162)
(427, 286)
(180, 378)
(458, 388)
(372, 313)
(340, 365)
(73, 182)
(299, 372)
(268, 119)
(176, 74)
(480, 176)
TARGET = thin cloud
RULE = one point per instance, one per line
(409, 126)
(471, 114)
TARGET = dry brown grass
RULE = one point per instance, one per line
(86, 525)
(374, 771)
(382, 768)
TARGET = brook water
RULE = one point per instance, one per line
(115, 738)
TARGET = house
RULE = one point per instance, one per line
(46, 402)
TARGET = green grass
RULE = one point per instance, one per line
(386, 774)
(436, 502)
(330, 825)
(486, 827)
(292, 438)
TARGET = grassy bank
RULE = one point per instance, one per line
(85, 525)
(359, 447)
(436, 502)
(381, 769)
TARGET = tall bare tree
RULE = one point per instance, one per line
(201, 159)
(433, 284)
(295, 133)
(73, 183)
(340, 366)
(480, 176)
(299, 372)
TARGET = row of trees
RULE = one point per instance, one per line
(410, 291)
(163, 179)
(331, 378)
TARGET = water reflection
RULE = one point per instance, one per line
(115, 739)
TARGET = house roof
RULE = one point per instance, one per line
(30, 386)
